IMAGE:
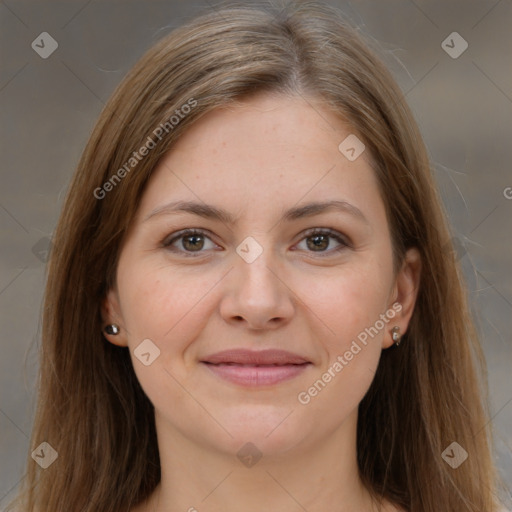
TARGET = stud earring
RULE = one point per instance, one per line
(112, 329)
(395, 334)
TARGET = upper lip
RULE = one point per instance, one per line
(251, 357)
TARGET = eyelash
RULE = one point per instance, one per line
(167, 243)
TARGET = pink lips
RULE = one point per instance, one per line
(261, 368)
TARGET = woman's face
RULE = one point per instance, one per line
(266, 326)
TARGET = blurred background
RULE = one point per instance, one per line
(458, 85)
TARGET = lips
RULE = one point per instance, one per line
(253, 358)
(256, 368)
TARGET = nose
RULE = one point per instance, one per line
(257, 295)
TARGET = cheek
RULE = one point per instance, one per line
(352, 307)
(347, 302)
(171, 307)
(167, 307)
(349, 306)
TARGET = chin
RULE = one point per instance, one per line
(271, 429)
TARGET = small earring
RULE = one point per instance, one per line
(112, 329)
(395, 334)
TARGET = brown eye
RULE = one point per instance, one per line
(192, 242)
(188, 242)
(320, 241)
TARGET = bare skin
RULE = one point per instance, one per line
(300, 294)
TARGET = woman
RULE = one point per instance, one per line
(250, 301)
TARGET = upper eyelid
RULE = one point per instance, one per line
(184, 232)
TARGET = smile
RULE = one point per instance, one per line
(256, 375)
(254, 369)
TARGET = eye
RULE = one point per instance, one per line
(189, 241)
(318, 240)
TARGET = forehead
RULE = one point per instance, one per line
(284, 126)
(263, 152)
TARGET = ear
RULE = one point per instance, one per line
(111, 314)
(405, 292)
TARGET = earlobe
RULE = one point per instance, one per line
(405, 293)
(112, 320)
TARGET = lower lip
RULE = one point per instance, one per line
(255, 376)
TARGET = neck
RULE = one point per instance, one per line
(318, 476)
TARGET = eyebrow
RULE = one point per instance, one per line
(211, 212)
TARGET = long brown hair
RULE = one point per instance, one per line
(426, 394)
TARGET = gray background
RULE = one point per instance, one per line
(49, 106)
